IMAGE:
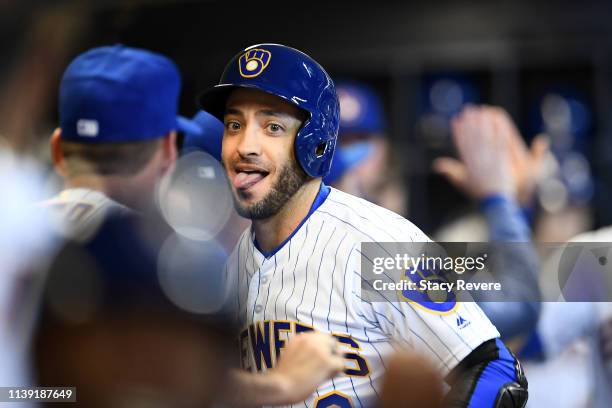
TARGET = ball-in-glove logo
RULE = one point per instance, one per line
(253, 62)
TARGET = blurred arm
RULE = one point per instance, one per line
(519, 263)
(309, 360)
(495, 168)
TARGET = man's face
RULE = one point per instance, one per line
(258, 153)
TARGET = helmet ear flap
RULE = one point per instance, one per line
(316, 141)
(313, 152)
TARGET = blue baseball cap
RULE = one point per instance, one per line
(208, 137)
(120, 94)
(361, 110)
(345, 158)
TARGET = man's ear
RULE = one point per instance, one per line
(169, 148)
(57, 156)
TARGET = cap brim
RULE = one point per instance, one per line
(355, 153)
(214, 100)
(209, 140)
(345, 158)
(187, 126)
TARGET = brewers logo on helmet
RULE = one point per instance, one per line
(253, 62)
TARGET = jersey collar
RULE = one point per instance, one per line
(319, 199)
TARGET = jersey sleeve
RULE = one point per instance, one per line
(445, 336)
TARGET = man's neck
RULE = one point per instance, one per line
(90, 182)
(119, 189)
(271, 232)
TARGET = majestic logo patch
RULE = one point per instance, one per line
(253, 62)
(461, 322)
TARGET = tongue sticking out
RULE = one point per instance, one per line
(246, 180)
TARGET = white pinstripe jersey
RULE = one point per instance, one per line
(313, 281)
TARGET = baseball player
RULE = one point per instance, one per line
(297, 268)
(117, 135)
(116, 140)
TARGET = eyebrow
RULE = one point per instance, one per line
(263, 112)
(232, 111)
(270, 112)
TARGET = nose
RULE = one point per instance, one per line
(250, 143)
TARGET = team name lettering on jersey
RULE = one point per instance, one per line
(265, 340)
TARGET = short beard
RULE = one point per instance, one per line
(290, 180)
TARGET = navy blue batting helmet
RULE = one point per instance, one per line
(295, 77)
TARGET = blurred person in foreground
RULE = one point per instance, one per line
(494, 169)
(115, 143)
(110, 330)
(26, 244)
(412, 381)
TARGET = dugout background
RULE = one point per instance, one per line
(506, 53)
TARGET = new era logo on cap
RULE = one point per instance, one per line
(87, 127)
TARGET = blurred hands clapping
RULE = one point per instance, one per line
(493, 158)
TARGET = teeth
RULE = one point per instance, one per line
(263, 173)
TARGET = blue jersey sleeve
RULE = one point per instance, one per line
(519, 274)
